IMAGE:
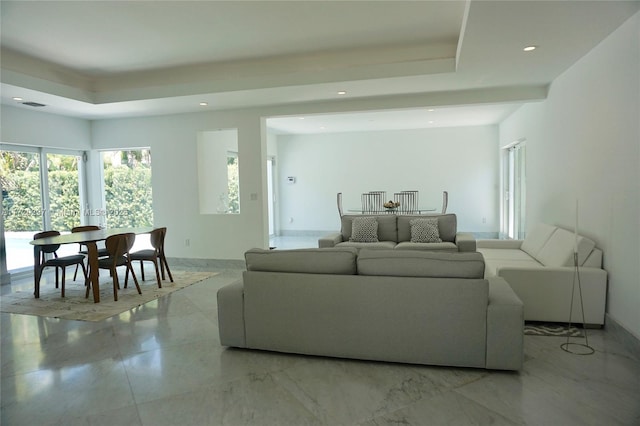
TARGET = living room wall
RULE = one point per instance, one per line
(583, 143)
(462, 161)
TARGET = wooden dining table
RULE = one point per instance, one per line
(88, 238)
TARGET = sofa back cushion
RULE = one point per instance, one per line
(387, 230)
(338, 261)
(447, 226)
(536, 238)
(410, 263)
(559, 248)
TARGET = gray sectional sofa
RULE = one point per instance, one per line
(399, 232)
(540, 269)
(386, 305)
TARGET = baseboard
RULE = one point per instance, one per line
(623, 336)
(178, 262)
(303, 233)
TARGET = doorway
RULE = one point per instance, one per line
(514, 190)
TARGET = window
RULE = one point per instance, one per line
(127, 189)
(233, 183)
(218, 171)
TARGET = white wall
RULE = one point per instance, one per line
(583, 143)
(462, 161)
(26, 127)
(173, 143)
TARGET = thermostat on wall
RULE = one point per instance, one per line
(291, 179)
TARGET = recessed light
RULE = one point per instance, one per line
(530, 48)
(430, 121)
(430, 110)
(204, 104)
(342, 92)
(18, 99)
(300, 118)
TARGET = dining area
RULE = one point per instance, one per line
(99, 248)
(404, 202)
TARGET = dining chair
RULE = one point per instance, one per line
(155, 255)
(445, 201)
(59, 263)
(118, 247)
(339, 202)
(372, 202)
(412, 206)
(102, 251)
(407, 200)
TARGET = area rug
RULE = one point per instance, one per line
(74, 306)
(551, 329)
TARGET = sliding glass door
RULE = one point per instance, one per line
(41, 190)
(22, 207)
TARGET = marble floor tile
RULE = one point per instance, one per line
(447, 408)
(162, 364)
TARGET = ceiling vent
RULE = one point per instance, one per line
(33, 104)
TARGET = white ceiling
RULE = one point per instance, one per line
(105, 59)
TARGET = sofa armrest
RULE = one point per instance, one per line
(505, 327)
(330, 240)
(547, 292)
(500, 244)
(231, 315)
(465, 241)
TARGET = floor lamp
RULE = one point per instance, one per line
(568, 346)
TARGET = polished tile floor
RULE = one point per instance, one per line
(162, 364)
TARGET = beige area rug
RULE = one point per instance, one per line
(74, 306)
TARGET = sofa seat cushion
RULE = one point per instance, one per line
(357, 245)
(559, 248)
(493, 266)
(445, 246)
(415, 263)
(504, 254)
(338, 261)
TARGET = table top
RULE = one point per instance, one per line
(88, 236)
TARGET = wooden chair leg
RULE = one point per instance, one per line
(166, 265)
(133, 274)
(155, 264)
(116, 284)
(63, 279)
(142, 270)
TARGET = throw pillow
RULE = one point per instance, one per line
(425, 231)
(364, 230)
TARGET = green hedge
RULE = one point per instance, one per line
(128, 198)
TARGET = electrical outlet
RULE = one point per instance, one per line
(187, 242)
(484, 220)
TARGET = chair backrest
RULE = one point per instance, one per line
(51, 248)
(85, 228)
(118, 245)
(372, 202)
(445, 201)
(408, 202)
(157, 238)
(339, 202)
